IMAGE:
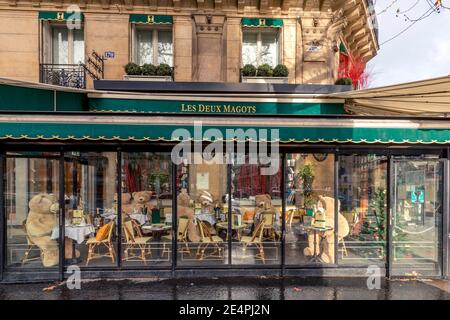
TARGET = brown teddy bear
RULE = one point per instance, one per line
(327, 204)
(127, 206)
(141, 202)
(42, 219)
(183, 209)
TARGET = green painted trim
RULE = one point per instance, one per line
(213, 107)
(140, 132)
(150, 19)
(262, 22)
(342, 48)
(17, 98)
(60, 15)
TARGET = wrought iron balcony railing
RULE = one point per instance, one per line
(66, 75)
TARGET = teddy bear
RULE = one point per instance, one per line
(326, 205)
(127, 206)
(206, 200)
(183, 209)
(42, 219)
(141, 202)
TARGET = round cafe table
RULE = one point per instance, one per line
(238, 229)
(157, 230)
(315, 258)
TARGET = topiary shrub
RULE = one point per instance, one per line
(280, 71)
(133, 69)
(149, 69)
(344, 82)
(249, 70)
(164, 70)
(264, 70)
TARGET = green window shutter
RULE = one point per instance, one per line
(150, 19)
(262, 22)
(60, 15)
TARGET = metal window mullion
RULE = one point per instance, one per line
(62, 215)
(230, 230)
(174, 218)
(283, 211)
(389, 199)
(119, 206)
(258, 48)
(2, 216)
(446, 217)
(336, 205)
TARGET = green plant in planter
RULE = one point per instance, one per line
(133, 69)
(306, 175)
(280, 71)
(264, 70)
(344, 82)
(164, 70)
(249, 70)
(148, 69)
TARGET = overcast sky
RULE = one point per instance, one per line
(422, 52)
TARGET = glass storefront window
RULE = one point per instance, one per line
(363, 197)
(32, 210)
(90, 216)
(310, 209)
(146, 209)
(202, 214)
(256, 215)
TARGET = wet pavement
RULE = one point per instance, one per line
(258, 288)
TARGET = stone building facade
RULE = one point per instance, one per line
(206, 35)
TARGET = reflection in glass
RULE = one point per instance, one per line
(256, 215)
(32, 210)
(202, 214)
(417, 217)
(90, 215)
(310, 209)
(362, 192)
(146, 208)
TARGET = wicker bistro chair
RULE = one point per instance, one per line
(268, 229)
(30, 247)
(93, 243)
(256, 239)
(182, 230)
(208, 240)
(135, 241)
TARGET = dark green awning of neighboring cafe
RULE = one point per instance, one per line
(262, 22)
(150, 19)
(60, 16)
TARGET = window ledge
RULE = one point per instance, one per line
(147, 78)
(265, 79)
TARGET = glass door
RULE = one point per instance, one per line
(416, 217)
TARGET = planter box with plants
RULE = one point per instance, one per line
(265, 74)
(148, 72)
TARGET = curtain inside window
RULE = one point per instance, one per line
(249, 48)
(144, 47)
(165, 47)
(269, 49)
(60, 47)
(78, 46)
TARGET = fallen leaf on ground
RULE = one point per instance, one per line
(297, 289)
(50, 288)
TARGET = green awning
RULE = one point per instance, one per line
(60, 16)
(150, 19)
(262, 22)
(19, 127)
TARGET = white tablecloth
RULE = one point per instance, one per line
(139, 217)
(74, 232)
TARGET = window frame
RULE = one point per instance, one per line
(259, 32)
(47, 41)
(135, 28)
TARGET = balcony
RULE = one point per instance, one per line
(66, 75)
